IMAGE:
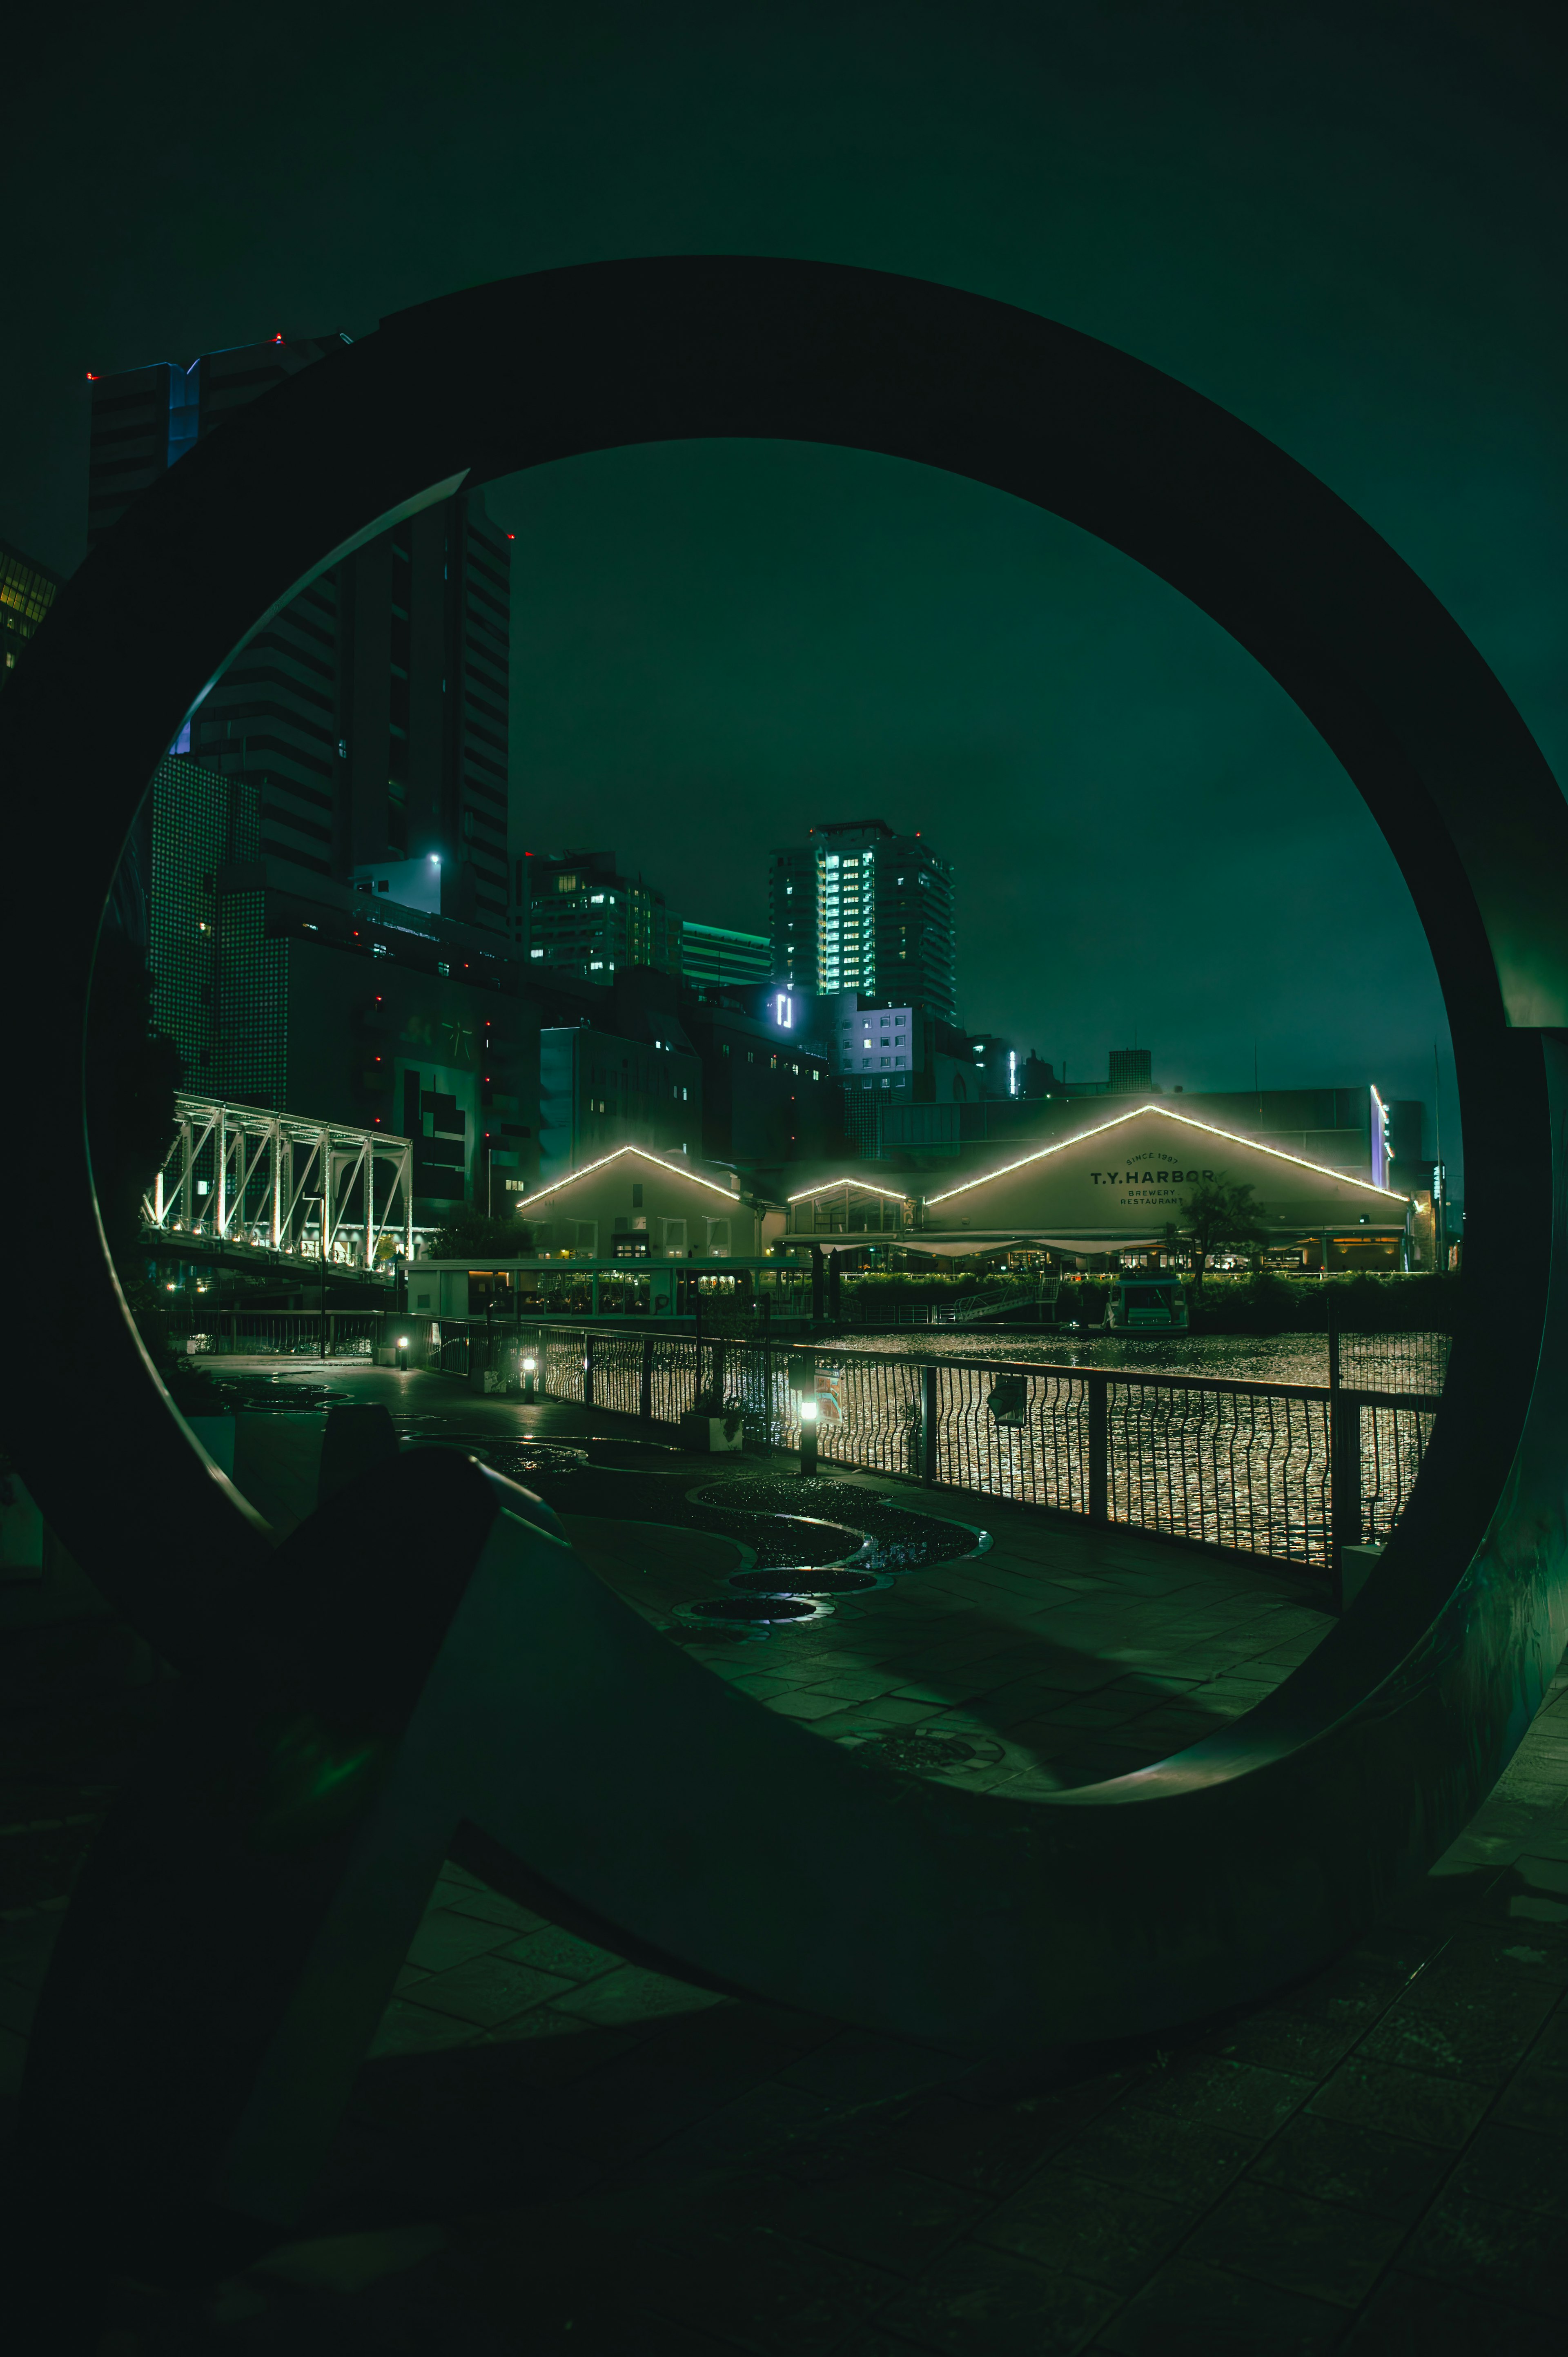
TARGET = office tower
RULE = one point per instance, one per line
(577, 914)
(714, 957)
(28, 590)
(373, 708)
(1132, 1072)
(996, 1065)
(284, 991)
(859, 908)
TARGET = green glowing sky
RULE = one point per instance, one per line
(1345, 222)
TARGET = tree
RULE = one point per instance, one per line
(1218, 1214)
(478, 1236)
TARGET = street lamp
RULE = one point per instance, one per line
(802, 1380)
(320, 1203)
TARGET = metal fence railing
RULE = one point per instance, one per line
(1394, 1362)
(1289, 1471)
(276, 1334)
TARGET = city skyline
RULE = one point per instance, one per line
(711, 640)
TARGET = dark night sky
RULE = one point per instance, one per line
(1346, 222)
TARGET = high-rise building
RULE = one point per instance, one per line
(859, 908)
(287, 990)
(715, 956)
(372, 708)
(1132, 1072)
(574, 913)
(28, 590)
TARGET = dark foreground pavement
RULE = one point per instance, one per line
(550, 2149)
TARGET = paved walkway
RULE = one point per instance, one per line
(1080, 1653)
(553, 2150)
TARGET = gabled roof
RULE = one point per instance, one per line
(895, 1190)
(639, 1152)
(1182, 1121)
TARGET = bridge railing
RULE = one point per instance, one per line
(1287, 1471)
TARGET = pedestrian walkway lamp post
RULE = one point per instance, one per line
(803, 1383)
(319, 1202)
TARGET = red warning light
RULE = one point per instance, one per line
(277, 340)
(92, 376)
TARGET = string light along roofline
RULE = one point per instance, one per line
(1167, 1113)
(828, 1185)
(674, 1170)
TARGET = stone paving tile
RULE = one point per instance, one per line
(770, 2291)
(892, 1713)
(444, 1939)
(555, 1951)
(1306, 2032)
(409, 2028)
(1180, 2160)
(1189, 2310)
(633, 1993)
(1481, 2038)
(1064, 2223)
(1443, 2111)
(808, 1704)
(847, 1687)
(490, 1907)
(1298, 2242)
(1360, 2168)
(1517, 2166)
(978, 2302)
(1225, 2093)
(1411, 2316)
(889, 2218)
(1508, 2253)
(489, 1989)
(988, 2150)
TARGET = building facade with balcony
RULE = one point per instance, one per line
(859, 908)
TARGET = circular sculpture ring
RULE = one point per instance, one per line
(1254, 1855)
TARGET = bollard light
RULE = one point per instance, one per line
(808, 1411)
(531, 1366)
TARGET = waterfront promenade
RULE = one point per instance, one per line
(550, 2149)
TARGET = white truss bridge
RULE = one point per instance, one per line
(283, 1183)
